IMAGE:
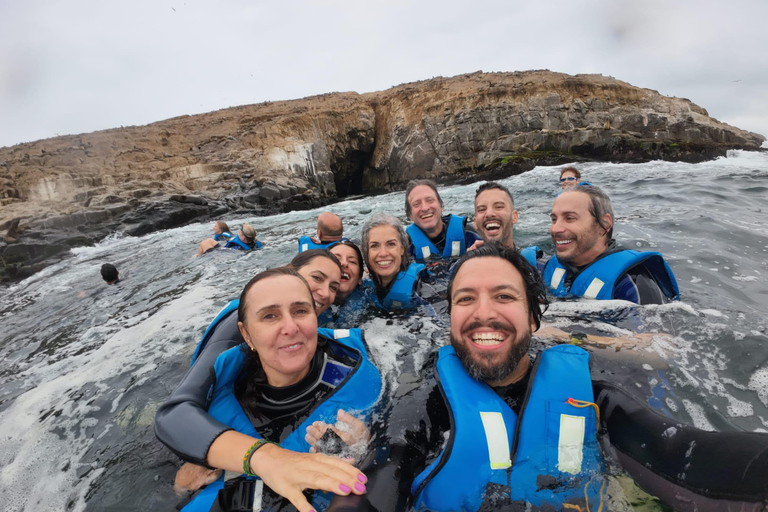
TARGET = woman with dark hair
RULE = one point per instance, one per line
(269, 399)
(395, 281)
(351, 298)
(323, 272)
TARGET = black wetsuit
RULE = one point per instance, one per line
(690, 467)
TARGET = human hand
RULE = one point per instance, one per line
(349, 429)
(191, 477)
(478, 244)
(289, 473)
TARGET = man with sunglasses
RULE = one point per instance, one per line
(587, 263)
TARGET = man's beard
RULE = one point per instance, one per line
(483, 369)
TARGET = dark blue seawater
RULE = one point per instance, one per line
(83, 366)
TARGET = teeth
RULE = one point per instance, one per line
(563, 242)
(344, 275)
(385, 263)
(488, 338)
(427, 216)
(318, 305)
(492, 225)
(295, 345)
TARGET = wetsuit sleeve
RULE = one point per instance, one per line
(182, 422)
(470, 237)
(679, 463)
(411, 434)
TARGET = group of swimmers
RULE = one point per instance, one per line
(275, 410)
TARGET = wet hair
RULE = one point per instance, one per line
(353, 245)
(272, 272)
(385, 219)
(599, 205)
(222, 226)
(535, 291)
(494, 185)
(417, 183)
(109, 272)
(571, 169)
(305, 258)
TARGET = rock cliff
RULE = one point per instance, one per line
(74, 190)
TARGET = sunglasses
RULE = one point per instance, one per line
(569, 178)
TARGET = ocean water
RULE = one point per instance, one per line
(83, 366)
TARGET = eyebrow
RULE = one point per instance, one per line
(277, 306)
(494, 289)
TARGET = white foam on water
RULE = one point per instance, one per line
(758, 382)
(696, 412)
(32, 452)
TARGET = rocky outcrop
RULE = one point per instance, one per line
(74, 190)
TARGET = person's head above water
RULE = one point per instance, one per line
(384, 248)
(247, 234)
(496, 301)
(351, 260)
(322, 271)
(329, 227)
(569, 177)
(110, 274)
(582, 225)
(424, 206)
(277, 320)
(495, 213)
(220, 227)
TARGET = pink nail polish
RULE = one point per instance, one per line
(362, 477)
(360, 487)
(344, 488)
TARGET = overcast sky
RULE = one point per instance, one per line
(82, 65)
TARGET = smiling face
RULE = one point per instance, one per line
(324, 278)
(570, 180)
(351, 270)
(577, 236)
(495, 216)
(281, 326)
(426, 210)
(385, 252)
(490, 322)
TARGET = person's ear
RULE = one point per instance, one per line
(244, 333)
(607, 222)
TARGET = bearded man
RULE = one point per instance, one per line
(490, 429)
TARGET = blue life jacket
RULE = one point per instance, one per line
(455, 245)
(222, 236)
(236, 243)
(489, 443)
(357, 390)
(232, 306)
(306, 243)
(597, 281)
(531, 254)
(349, 313)
(401, 295)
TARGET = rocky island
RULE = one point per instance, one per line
(74, 190)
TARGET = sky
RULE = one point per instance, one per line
(84, 65)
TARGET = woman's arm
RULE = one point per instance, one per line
(182, 422)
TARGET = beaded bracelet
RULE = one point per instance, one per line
(247, 457)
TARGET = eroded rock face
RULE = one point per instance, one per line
(304, 153)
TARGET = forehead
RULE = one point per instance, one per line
(344, 250)
(492, 195)
(487, 272)
(572, 201)
(277, 290)
(322, 264)
(421, 192)
(382, 233)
